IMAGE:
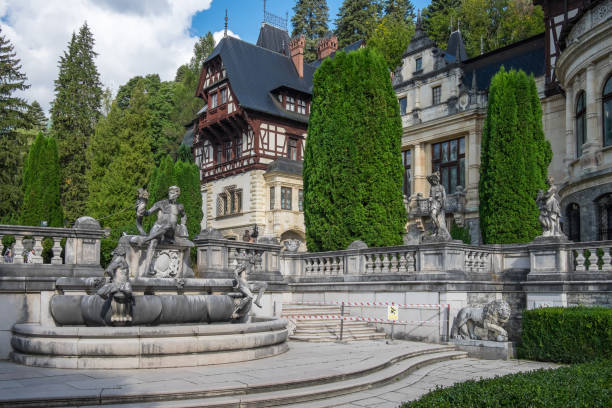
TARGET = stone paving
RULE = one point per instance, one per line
(302, 361)
(415, 385)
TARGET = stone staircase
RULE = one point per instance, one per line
(261, 392)
(328, 329)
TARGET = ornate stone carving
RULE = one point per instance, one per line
(167, 263)
(292, 245)
(491, 317)
(358, 245)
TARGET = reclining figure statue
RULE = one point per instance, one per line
(489, 317)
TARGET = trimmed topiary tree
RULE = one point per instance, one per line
(514, 160)
(41, 184)
(188, 179)
(352, 165)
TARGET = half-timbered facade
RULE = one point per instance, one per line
(256, 115)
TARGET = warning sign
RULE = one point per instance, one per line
(392, 312)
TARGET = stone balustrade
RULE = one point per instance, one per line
(592, 256)
(82, 244)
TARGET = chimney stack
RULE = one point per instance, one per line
(326, 46)
(296, 47)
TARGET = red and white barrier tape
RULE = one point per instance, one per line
(358, 318)
(374, 304)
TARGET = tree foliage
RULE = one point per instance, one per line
(398, 9)
(37, 118)
(391, 38)
(352, 166)
(13, 115)
(357, 20)
(120, 160)
(310, 19)
(188, 179)
(74, 114)
(497, 22)
(514, 160)
(41, 184)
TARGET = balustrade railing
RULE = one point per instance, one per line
(82, 245)
(592, 256)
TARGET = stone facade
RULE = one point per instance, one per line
(582, 160)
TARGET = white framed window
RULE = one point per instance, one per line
(224, 95)
(213, 100)
(301, 106)
(290, 105)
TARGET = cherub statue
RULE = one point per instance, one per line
(242, 285)
(550, 211)
(118, 287)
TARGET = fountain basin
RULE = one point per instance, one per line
(160, 346)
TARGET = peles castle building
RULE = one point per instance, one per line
(443, 103)
(250, 136)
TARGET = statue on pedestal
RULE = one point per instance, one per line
(550, 211)
(437, 201)
(490, 318)
(241, 271)
(167, 228)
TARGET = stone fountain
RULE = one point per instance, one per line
(148, 310)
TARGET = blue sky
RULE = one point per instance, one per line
(245, 16)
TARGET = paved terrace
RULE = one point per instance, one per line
(306, 369)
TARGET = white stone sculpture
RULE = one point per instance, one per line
(491, 317)
(550, 211)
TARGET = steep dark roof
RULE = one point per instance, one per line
(527, 55)
(274, 39)
(456, 41)
(420, 41)
(286, 165)
(254, 72)
(188, 137)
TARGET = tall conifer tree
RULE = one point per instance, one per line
(188, 179)
(74, 114)
(352, 165)
(310, 19)
(357, 20)
(37, 117)
(514, 160)
(13, 115)
(41, 184)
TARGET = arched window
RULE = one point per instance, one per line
(604, 216)
(573, 222)
(607, 112)
(580, 123)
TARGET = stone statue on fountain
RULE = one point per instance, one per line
(550, 213)
(167, 231)
(118, 287)
(437, 201)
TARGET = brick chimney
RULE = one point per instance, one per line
(326, 46)
(296, 47)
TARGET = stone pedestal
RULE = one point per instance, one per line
(485, 349)
(169, 260)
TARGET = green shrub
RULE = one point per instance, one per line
(461, 233)
(566, 335)
(586, 385)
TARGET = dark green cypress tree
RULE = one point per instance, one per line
(41, 184)
(357, 20)
(310, 19)
(74, 114)
(514, 160)
(162, 177)
(184, 154)
(37, 117)
(13, 115)
(352, 165)
(188, 179)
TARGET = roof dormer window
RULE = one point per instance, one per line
(301, 106)
(290, 105)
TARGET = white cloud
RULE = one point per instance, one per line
(133, 37)
(218, 35)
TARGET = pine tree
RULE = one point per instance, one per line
(352, 166)
(188, 179)
(398, 9)
(514, 160)
(37, 117)
(74, 114)
(357, 20)
(13, 115)
(125, 166)
(41, 184)
(310, 19)
(391, 38)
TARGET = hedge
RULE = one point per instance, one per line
(587, 385)
(566, 335)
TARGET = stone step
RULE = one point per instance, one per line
(282, 394)
(336, 337)
(335, 329)
(330, 323)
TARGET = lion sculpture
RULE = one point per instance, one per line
(490, 317)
